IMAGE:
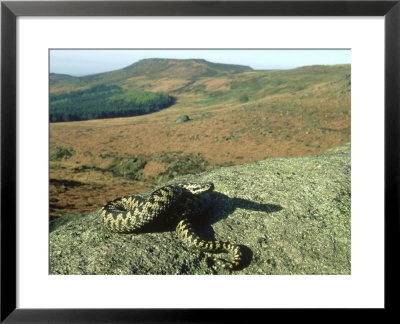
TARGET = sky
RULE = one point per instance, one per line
(84, 62)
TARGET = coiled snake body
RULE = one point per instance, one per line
(176, 204)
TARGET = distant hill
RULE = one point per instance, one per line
(149, 68)
(156, 67)
(199, 83)
(65, 80)
(93, 96)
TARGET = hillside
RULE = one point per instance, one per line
(292, 216)
(64, 80)
(146, 69)
(234, 117)
(201, 83)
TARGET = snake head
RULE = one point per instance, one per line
(198, 188)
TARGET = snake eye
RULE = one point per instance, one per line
(206, 187)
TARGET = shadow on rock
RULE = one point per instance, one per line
(223, 206)
(247, 257)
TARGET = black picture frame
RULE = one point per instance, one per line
(10, 10)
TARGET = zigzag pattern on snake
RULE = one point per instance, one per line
(176, 204)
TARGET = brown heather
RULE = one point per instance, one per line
(293, 124)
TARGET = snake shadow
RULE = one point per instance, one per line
(221, 206)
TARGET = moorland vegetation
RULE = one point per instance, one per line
(236, 115)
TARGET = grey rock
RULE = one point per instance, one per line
(182, 119)
(292, 216)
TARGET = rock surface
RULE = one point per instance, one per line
(182, 119)
(292, 216)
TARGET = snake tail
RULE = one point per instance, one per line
(187, 234)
